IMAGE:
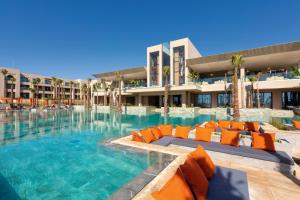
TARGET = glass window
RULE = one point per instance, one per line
(290, 99)
(224, 99)
(177, 100)
(265, 99)
(179, 65)
(203, 100)
(154, 68)
(24, 78)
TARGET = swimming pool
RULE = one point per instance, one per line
(61, 155)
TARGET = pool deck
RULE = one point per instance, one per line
(263, 183)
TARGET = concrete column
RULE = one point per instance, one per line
(148, 69)
(139, 100)
(184, 100)
(276, 99)
(122, 84)
(2, 79)
(214, 99)
(160, 67)
(160, 101)
(299, 65)
(171, 100)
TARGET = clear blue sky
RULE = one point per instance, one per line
(75, 39)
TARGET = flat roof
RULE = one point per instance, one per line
(274, 55)
(129, 73)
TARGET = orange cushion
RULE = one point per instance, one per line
(296, 124)
(203, 134)
(252, 126)
(265, 141)
(166, 129)
(195, 178)
(237, 125)
(182, 131)
(224, 124)
(136, 137)
(204, 161)
(230, 137)
(175, 189)
(147, 135)
(156, 132)
(211, 124)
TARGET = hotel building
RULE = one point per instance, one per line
(23, 83)
(278, 86)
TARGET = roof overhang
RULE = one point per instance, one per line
(270, 56)
(127, 74)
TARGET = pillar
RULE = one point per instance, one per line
(139, 100)
(171, 100)
(214, 99)
(161, 101)
(184, 100)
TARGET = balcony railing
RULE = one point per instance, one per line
(137, 85)
(274, 76)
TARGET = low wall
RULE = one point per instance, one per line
(138, 110)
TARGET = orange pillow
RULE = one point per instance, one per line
(203, 134)
(237, 125)
(195, 178)
(211, 124)
(166, 129)
(204, 161)
(296, 124)
(224, 124)
(156, 132)
(176, 189)
(265, 141)
(252, 126)
(182, 131)
(230, 137)
(147, 135)
(136, 137)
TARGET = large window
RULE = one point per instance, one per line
(177, 100)
(203, 100)
(154, 68)
(224, 99)
(265, 99)
(179, 65)
(290, 99)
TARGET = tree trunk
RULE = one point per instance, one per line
(120, 98)
(12, 93)
(257, 96)
(105, 97)
(166, 108)
(236, 112)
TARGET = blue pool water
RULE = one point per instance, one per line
(61, 155)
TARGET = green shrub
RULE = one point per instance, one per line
(278, 124)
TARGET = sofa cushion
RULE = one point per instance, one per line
(204, 161)
(264, 141)
(136, 137)
(230, 138)
(182, 131)
(195, 178)
(203, 134)
(147, 135)
(176, 189)
(164, 141)
(166, 129)
(156, 132)
(211, 124)
(224, 124)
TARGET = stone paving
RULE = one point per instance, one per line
(264, 183)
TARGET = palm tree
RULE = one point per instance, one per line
(32, 90)
(89, 92)
(12, 81)
(84, 91)
(71, 92)
(236, 61)
(4, 73)
(252, 79)
(225, 90)
(166, 74)
(119, 79)
(104, 86)
(38, 81)
(59, 84)
(194, 76)
(54, 89)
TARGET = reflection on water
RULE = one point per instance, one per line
(24, 124)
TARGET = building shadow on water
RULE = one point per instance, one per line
(7, 192)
